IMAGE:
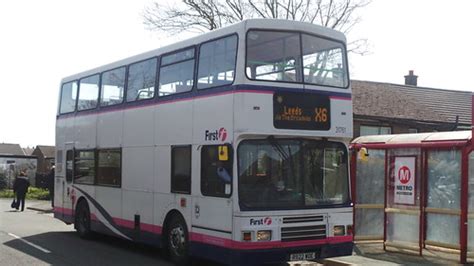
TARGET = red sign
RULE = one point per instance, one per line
(404, 174)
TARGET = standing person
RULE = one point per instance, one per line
(50, 184)
(20, 188)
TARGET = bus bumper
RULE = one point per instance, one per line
(275, 255)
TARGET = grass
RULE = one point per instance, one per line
(34, 193)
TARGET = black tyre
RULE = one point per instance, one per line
(83, 220)
(177, 241)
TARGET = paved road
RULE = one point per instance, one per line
(36, 238)
(33, 238)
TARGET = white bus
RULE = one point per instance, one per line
(231, 146)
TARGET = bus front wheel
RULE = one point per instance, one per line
(177, 241)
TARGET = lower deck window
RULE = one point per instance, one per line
(216, 171)
(109, 171)
(84, 167)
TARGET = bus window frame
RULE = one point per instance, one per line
(231, 158)
(79, 92)
(158, 75)
(74, 166)
(61, 97)
(127, 75)
(235, 62)
(124, 87)
(301, 57)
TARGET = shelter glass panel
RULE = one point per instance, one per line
(470, 233)
(403, 197)
(442, 228)
(444, 193)
(369, 223)
(370, 184)
(444, 179)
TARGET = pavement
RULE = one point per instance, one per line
(40, 205)
(368, 253)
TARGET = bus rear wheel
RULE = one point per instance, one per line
(177, 241)
(82, 221)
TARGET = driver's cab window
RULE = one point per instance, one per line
(216, 170)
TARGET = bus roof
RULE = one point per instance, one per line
(241, 27)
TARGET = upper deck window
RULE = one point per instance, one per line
(113, 83)
(323, 62)
(68, 97)
(88, 93)
(177, 72)
(295, 57)
(274, 56)
(141, 80)
(217, 62)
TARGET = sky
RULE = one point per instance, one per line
(44, 41)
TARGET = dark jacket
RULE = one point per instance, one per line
(21, 184)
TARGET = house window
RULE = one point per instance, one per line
(181, 169)
(412, 130)
(216, 170)
(375, 130)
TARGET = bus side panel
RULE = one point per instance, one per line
(110, 130)
(85, 132)
(174, 124)
(138, 127)
(137, 185)
(109, 198)
(255, 112)
(59, 184)
(212, 215)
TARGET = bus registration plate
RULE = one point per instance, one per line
(303, 256)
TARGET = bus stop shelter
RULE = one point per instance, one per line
(415, 191)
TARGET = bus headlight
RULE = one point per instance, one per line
(264, 235)
(339, 230)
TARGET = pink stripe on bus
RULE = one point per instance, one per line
(225, 242)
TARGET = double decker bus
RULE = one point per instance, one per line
(231, 146)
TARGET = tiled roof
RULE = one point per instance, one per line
(11, 149)
(48, 151)
(410, 102)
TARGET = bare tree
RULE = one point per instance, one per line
(206, 15)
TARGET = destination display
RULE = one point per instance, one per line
(301, 111)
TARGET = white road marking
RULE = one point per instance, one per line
(29, 243)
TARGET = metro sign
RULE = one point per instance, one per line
(404, 191)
